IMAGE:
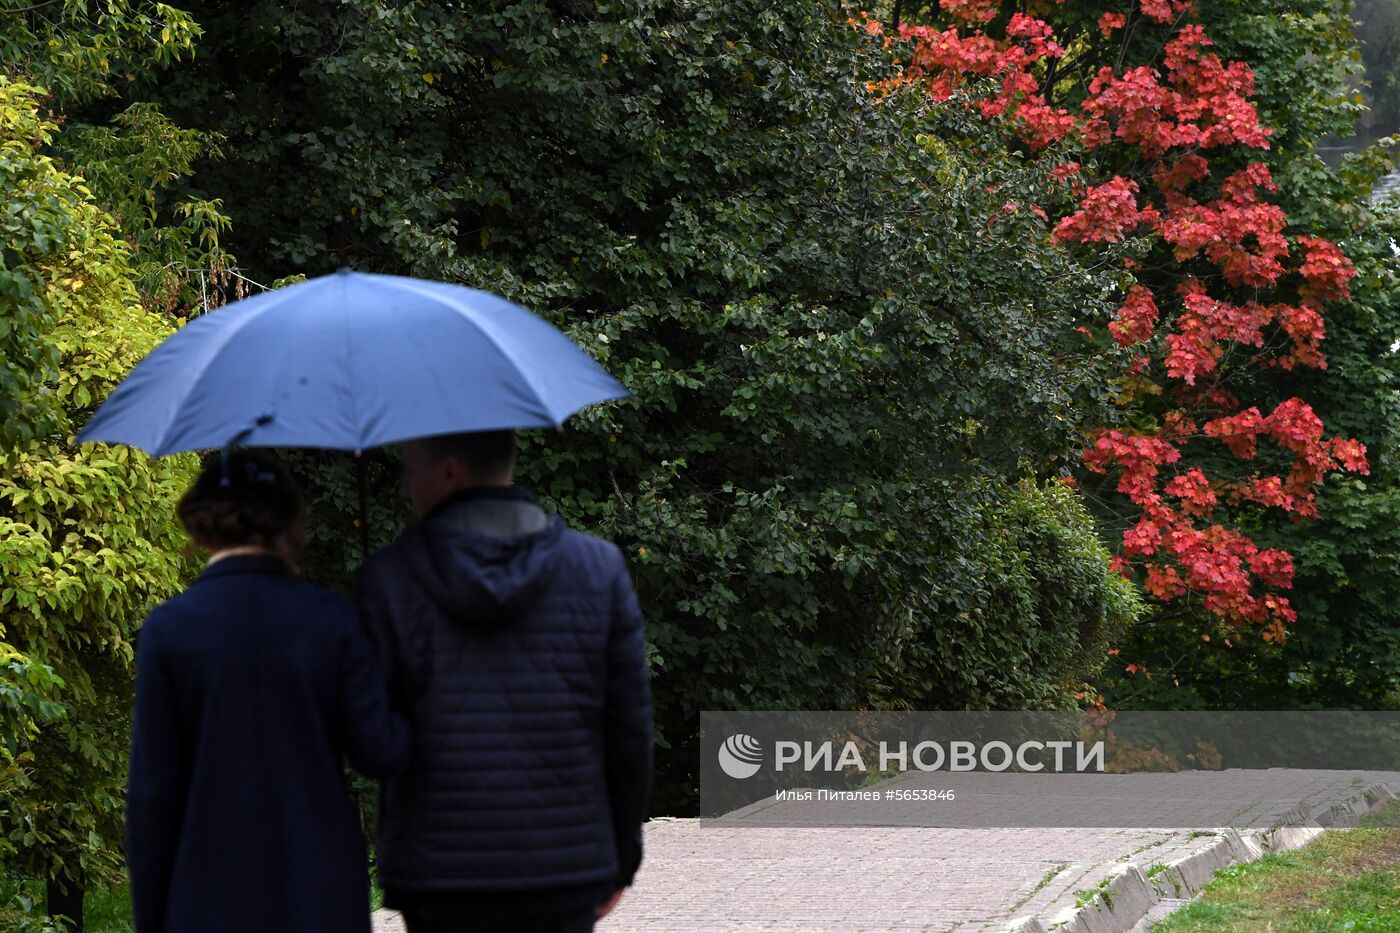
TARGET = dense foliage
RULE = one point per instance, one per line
(1342, 652)
(88, 542)
(844, 361)
(88, 537)
(1162, 136)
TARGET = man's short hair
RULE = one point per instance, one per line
(485, 453)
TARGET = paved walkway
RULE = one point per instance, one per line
(864, 879)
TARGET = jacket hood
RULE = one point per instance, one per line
(485, 556)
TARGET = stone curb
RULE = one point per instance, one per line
(1126, 896)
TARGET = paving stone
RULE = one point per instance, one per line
(714, 877)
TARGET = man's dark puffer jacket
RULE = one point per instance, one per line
(515, 645)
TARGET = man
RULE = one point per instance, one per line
(515, 645)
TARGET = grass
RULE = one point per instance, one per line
(106, 910)
(1083, 898)
(1347, 880)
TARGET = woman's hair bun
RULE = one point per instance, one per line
(241, 498)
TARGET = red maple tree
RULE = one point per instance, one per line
(1231, 275)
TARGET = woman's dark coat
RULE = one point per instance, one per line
(251, 688)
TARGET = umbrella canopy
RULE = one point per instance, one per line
(351, 361)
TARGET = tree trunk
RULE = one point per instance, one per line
(65, 898)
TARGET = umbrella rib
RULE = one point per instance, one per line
(410, 285)
(350, 362)
(232, 332)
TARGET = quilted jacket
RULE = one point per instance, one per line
(515, 647)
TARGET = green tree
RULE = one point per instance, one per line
(845, 363)
(81, 51)
(27, 702)
(83, 56)
(35, 223)
(88, 57)
(88, 537)
(92, 250)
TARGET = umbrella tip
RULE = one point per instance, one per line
(344, 269)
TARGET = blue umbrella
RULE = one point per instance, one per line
(351, 361)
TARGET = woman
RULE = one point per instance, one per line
(250, 688)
